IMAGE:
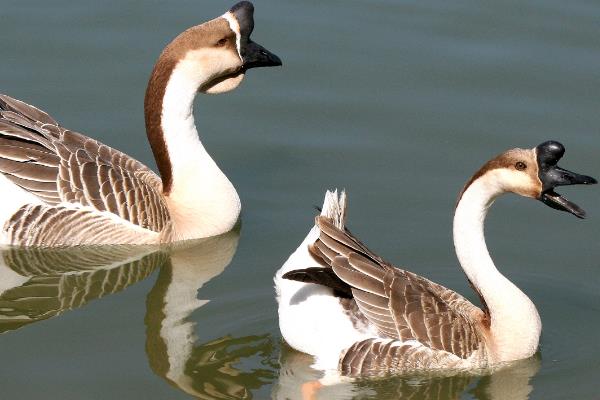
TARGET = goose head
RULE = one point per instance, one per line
(214, 56)
(551, 175)
(533, 173)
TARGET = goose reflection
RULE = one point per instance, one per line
(205, 370)
(37, 284)
(298, 381)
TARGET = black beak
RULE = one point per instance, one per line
(551, 176)
(253, 54)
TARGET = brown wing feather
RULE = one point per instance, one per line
(42, 225)
(59, 165)
(402, 305)
(372, 357)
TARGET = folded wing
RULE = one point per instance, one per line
(61, 166)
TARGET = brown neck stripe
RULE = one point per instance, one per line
(153, 103)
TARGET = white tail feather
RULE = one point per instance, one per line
(334, 207)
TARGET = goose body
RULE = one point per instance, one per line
(359, 315)
(63, 188)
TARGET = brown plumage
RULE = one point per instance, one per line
(403, 307)
(195, 37)
(514, 159)
(61, 166)
(379, 357)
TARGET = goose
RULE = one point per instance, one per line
(61, 188)
(358, 315)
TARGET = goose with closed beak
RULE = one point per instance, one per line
(62, 188)
(359, 315)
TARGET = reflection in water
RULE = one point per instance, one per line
(512, 382)
(295, 373)
(234, 368)
(204, 370)
(37, 284)
(297, 382)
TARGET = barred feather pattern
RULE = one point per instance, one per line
(62, 167)
(65, 279)
(377, 357)
(38, 225)
(423, 325)
(41, 261)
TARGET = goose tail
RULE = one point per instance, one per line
(334, 207)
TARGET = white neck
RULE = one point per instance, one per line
(515, 323)
(202, 201)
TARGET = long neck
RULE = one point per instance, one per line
(201, 200)
(515, 324)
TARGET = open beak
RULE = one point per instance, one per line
(551, 176)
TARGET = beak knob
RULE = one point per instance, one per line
(548, 153)
(244, 14)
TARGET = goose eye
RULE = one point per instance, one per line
(222, 42)
(521, 166)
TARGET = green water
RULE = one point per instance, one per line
(398, 102)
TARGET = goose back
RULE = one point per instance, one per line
(68, 171)
(421, 324)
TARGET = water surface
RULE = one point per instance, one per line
(399, 102)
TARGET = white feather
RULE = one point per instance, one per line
(311, 319)
(13, 198)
